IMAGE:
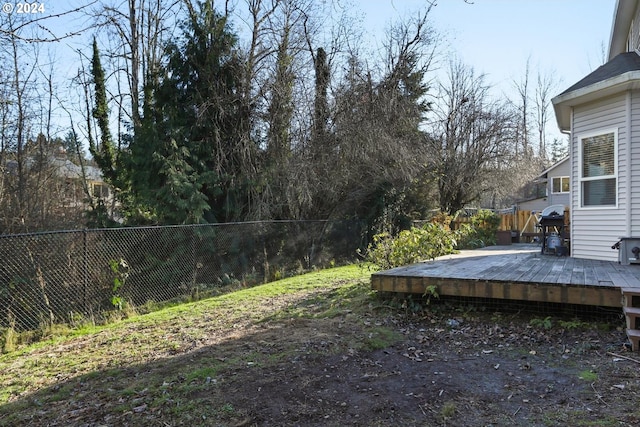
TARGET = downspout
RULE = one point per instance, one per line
(572, 188)
(629, 193)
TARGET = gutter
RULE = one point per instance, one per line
(563, 103)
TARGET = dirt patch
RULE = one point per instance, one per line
(478, 375)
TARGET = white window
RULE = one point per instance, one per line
(100, 191)
(599, 169)
(560, 184)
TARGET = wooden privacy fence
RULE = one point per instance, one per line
(524, 222)
(521, 221)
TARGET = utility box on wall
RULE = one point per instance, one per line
(629, 250)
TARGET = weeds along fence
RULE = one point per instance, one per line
(68, 276)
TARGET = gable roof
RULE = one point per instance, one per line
(620, 74)
(545, 172)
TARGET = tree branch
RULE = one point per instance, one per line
(13, 32)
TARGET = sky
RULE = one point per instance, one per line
(568, 38)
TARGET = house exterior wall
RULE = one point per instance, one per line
(633, 39)
(595, 229)
(562, 169)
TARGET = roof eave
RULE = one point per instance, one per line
(563, 103)
(622, 17)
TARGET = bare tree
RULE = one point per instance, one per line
(136, 32)
(375, 136)
(545, 88)
(523, 130)
(19, 93)
(37, 30)
(471, 136)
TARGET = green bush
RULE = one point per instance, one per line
(486, 224)
(480, 233)
(432, 240)
(468, 237)
(411, 246)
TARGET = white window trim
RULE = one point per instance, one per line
(615, 175)
(560, 178)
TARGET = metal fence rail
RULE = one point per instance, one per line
(59, 277)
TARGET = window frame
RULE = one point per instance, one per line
(561, 178)
(582, 179)
(100, 190)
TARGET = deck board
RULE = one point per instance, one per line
(566, 274)
(515, 272)
(589, 272)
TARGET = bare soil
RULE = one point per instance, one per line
(479, 372)
(308, 362)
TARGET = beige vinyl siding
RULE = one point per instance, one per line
(595, 230)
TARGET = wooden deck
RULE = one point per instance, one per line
(515, 272)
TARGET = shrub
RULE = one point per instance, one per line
(468, 237)
(8, 340)
(486, 224)
(411, 246)
(443, 219)
(481, 232)
(432, 240)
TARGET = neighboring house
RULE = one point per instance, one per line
(602, 114)
(75, 178)
(92, 176)
(551, 187)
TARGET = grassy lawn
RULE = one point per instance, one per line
(140, 363)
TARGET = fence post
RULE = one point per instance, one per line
(194, 262)
(85, 271)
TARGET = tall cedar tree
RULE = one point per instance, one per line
(189, 160)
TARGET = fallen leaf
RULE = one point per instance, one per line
(140, 408)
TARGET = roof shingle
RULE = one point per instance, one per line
(623, 63)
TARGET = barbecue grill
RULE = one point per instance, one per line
(552, 226)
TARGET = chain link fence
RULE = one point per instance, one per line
(62, 277)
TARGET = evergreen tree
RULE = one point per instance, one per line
(189, 162)
(559, 150)
(321, 107)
